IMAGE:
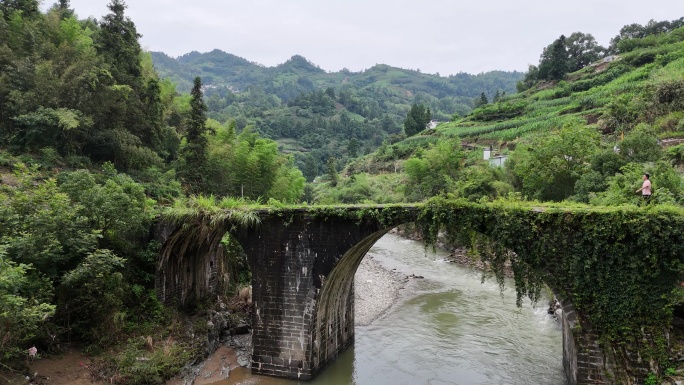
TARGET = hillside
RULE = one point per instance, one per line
(317, 115)
(587, 137)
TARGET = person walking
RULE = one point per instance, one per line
(645, 188)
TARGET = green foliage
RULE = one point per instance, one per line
(435, 171)
(332, 172)
(92, 297)
(547, 167)
(554, 64)
(210, 210)
(640, 145)
(41, 226)
(140, 363)
(47, 126)
(193, 160)
(481, 101)
(288, 183)
(620, 114)
(620, 266)
(416, 120)
(633, 36)
(118, 43)
(363, 188)
(250, 166)
(651, 379)
(498, 111)
(582, 50)
(116, 206)
(666, 185)
(482, 182)
(24, 306)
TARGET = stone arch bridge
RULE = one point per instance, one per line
(303, 261)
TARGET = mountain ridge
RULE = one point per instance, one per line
(218, 67)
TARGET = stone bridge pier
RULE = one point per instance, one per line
(303, 287)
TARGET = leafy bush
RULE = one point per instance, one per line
(603, 78)
(667, 185)
(499, 111)
(24, 306)
(144, 362)
(92, 295)
(41, 226)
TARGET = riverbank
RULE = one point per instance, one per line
(376, 289)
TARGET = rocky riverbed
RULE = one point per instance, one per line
(375, 290)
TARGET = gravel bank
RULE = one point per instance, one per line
(375, 290)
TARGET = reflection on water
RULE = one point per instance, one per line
(449, 329)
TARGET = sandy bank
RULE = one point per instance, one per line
(375, 290)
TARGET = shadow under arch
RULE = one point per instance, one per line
(191, 264)
(333, 329)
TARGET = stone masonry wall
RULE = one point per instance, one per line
(584, 361)
(293, 335)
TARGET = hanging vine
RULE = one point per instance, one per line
(621, 266)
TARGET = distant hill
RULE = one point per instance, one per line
(314, 113)
(224, 69)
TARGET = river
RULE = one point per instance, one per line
(447, 328)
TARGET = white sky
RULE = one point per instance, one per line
(445, 36)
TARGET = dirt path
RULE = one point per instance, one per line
(71, 368)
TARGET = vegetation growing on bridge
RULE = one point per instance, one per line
(621, 266)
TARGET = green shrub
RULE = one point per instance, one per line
(144, 361)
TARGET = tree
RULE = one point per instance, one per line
(118, 43)
(93, 293)
(582, 50)
(332, 171)
(548, 166)
(353, 147)
(310, 168)
(435, 171)
(481, 101)
(194, 153)
(288, 183)
(28, 8)
(641, 146)
(116, 206)
(562, 56)
(416, 120)
(558, 62)
(64, 11)
(531, 77)
(42, 227)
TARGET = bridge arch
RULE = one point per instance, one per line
(333, 323)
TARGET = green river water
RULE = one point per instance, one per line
(448, 328)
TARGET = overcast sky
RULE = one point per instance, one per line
(435, 36)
